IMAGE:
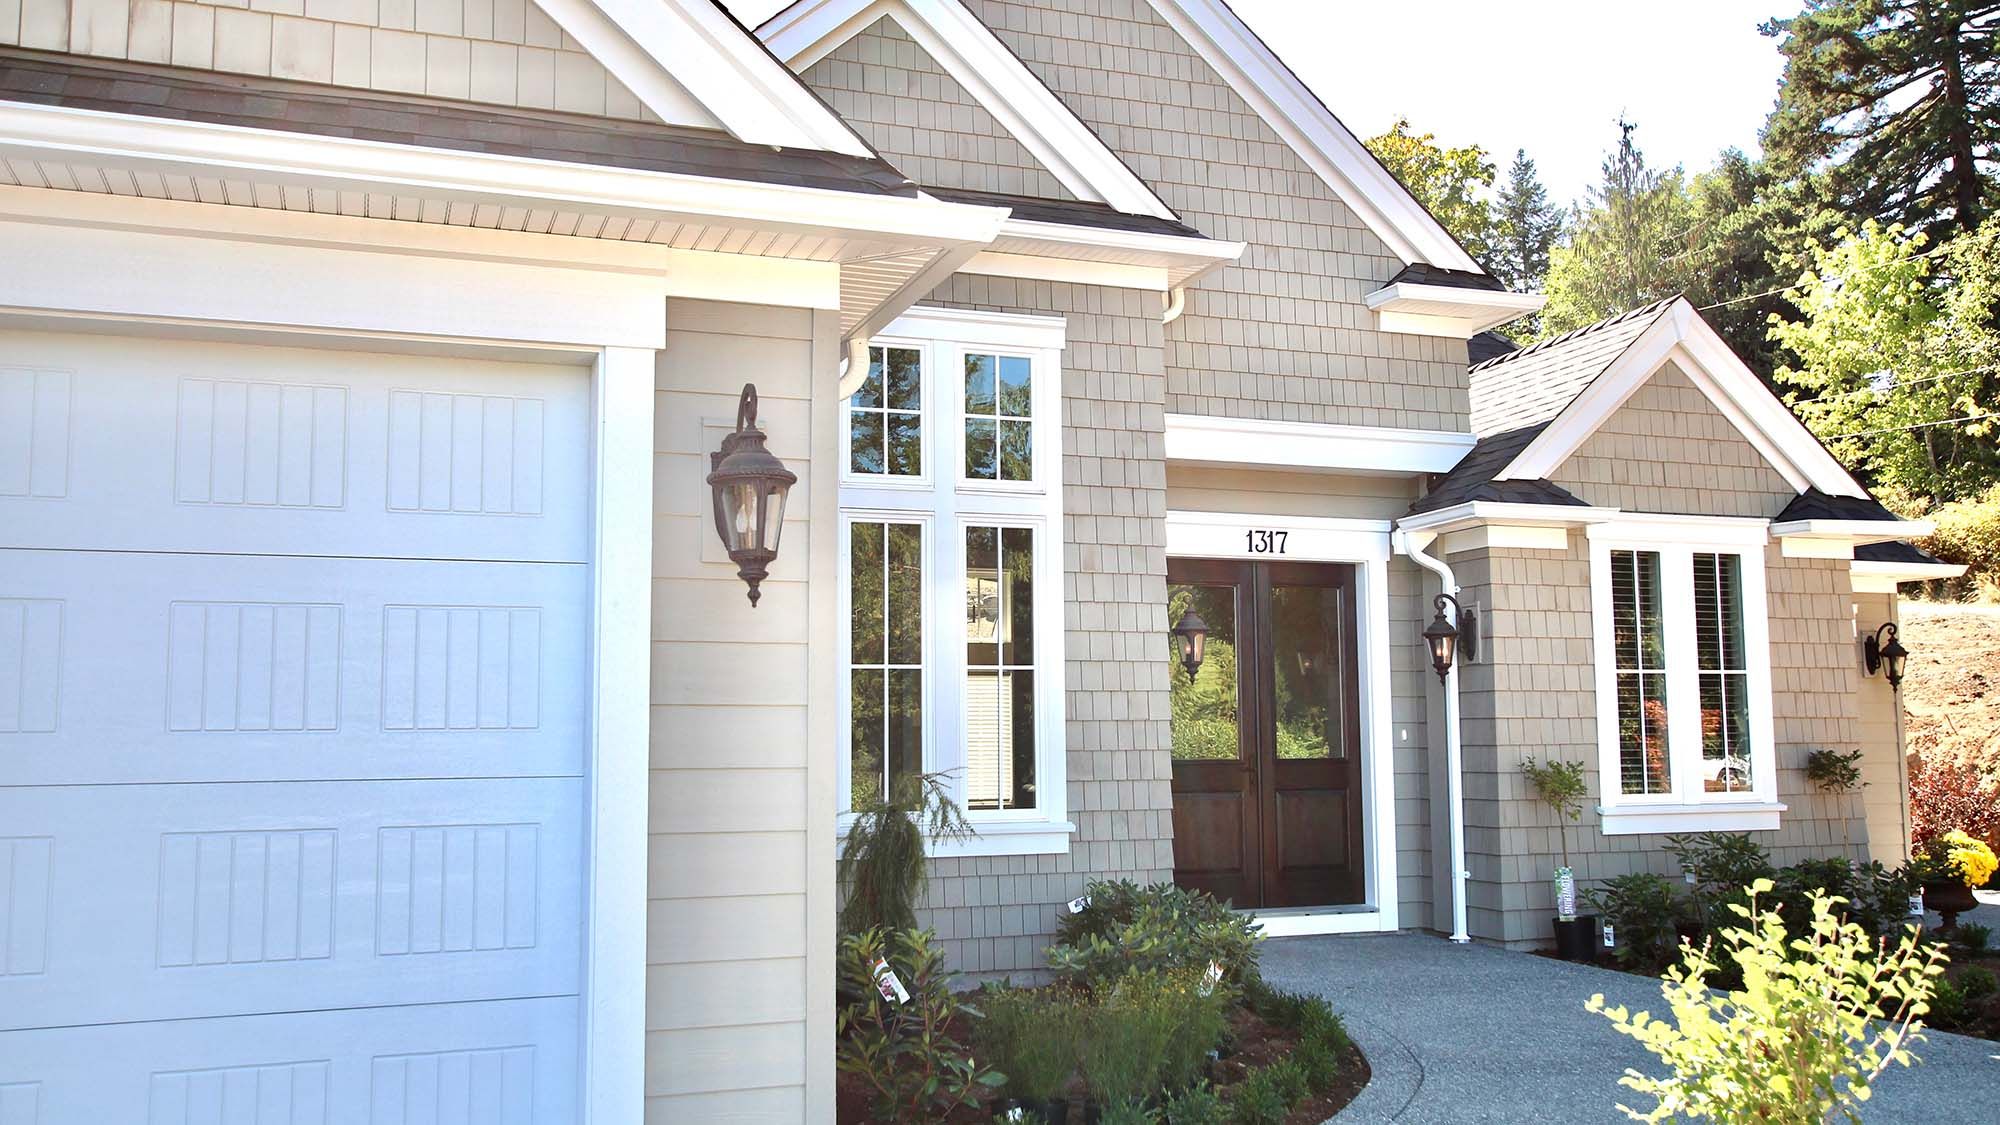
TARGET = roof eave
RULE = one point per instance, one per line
(1472, 513)
(1453, 312)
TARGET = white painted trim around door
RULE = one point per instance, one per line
(1365, 544)
(1313, 446)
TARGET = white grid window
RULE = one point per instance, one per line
(967, 682)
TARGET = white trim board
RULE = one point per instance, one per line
(667, 51)
(1450, 311)
(1258, 443)
(1884, 577)
(1681, 336)
(997, 79)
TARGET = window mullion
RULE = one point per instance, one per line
(1683, 675)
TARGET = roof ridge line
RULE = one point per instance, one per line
(1576, 333)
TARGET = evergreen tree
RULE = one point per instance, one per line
(1628, 246)
(1899, 102)
(1525, 227)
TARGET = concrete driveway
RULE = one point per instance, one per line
(1459, 1034)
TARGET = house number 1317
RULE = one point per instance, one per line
(1261, 541)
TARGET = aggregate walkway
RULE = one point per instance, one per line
(1460, 1034)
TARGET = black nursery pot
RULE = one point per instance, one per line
(1055, 1111)
(1576, 940)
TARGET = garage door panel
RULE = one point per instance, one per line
(145, 445)
(147, 668)
(170, 902)
(505, 1062)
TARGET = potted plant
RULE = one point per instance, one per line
(1560, 785)
(1837, 774)
(1949, 867)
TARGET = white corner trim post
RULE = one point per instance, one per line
(1413, 543)
(614, 1019)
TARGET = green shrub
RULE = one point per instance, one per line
(1199, 1104)
(1819, 1018)
(882, 863)
(1834, 771)
(1161, 928)
(904, 1052)
(1030, 1036)
(1127, 1111)
(1950, 1007)
(1149, 1031)
(1641, 909)
(1973, 937)
(1968, 531)
(1268, 1094)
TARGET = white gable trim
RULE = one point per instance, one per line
(660, 48)
(1680, 335)
(809, 30)
(1310, 128)
(1447, 310)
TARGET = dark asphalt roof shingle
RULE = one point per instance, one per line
(1423, 273)
(1532, 385)
(45, 78)
(1068, 212)
(1895, 552)
(1812, 504)
(1472, 478)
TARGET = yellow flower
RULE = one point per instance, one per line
(1967, 858)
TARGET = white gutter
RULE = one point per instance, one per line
(1412, 543)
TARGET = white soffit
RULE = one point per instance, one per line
(809, 30)
(1480, 513)
(1312, 446)
(1100, 255)
(1683, 337)
(1310, 128)
(666, 51)
(1884, 577)
(1447, 310)
(1853, 532)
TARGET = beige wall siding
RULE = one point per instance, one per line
(1884, 773)
(997, 915)
(1258, 492)
(502, 52)
(740, 877)
(921, 119)
(1668, 449)
(1535, 694)
(1283, 333)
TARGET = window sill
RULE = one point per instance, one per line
(1027, 837)
(1632, 820)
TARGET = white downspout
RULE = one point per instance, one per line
(1413, 544)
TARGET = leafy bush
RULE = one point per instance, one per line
(1268, 1094)
(1723, 865)
(1819, 1018)
(1031, 1036)
(1968, 531)
(1973, 937)
(1873, 897)
(1958, 1002)
(1561, 787)
(1199, 1104)
(1949, 795)
(1641, 909)
(1834, 771)
(905, 1052)
(1128, 1111)
(882, 863)
(1162, 928)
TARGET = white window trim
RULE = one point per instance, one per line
(945, 503)
(1685, 808)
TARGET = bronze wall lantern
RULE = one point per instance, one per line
(1887, 657)
(749, 486)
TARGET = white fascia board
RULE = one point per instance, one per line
(980, 328)
(1446, 310)
(1036, 267)
(659, 48)
(1884, 577)
(1854, 532)
(143, 142)
(1682, 336)
(995, 77)
(1304, 122)
(1476, 513)
(1101, 255)
(1313, 445)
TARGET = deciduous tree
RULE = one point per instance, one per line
(1450, 182)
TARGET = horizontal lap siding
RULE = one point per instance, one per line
(734, 880)
(997, 915)
(1283, 333)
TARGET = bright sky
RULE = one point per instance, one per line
(1551, 77)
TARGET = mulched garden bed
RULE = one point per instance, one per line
(1255, 1043)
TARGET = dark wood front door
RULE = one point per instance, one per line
(1267, 766)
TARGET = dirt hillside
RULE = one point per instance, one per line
(1952, 689)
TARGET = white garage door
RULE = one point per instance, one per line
(292, 693)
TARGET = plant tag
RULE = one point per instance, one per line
(1565, 894)
(1211, 978)
(1687, 876)
(1610, 937)
(1016, 1115)
(1079, 904)
(1917, 905)
(887, 983)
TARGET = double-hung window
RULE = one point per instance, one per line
(1683, 676)
(951, 574)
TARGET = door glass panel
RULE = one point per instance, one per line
(1204, 709)
(1306, 672)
